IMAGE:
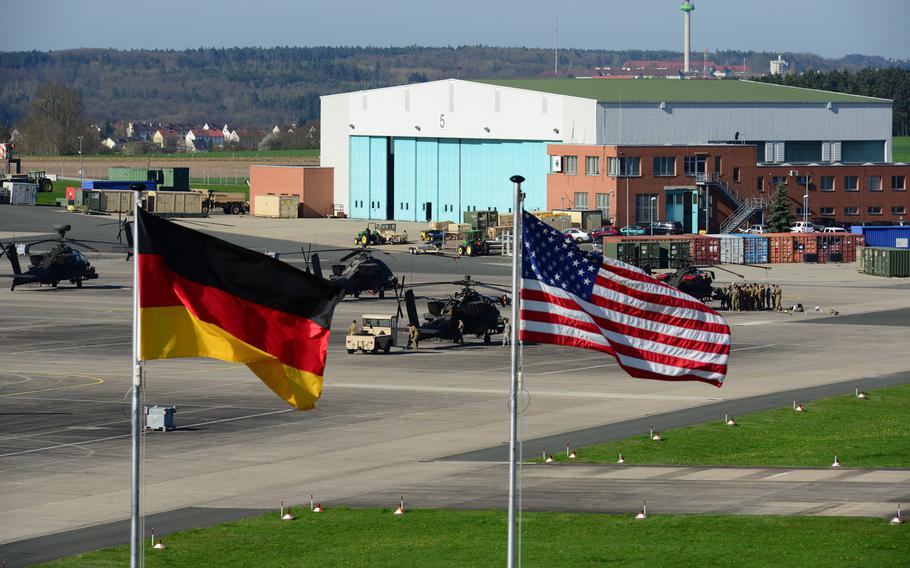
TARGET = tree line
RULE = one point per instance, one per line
(888, 83)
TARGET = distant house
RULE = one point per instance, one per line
(163, 135)
(109, 143)
(203, 139)
(279, 128)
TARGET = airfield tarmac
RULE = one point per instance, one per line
(429, 425)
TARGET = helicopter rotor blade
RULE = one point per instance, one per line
(349, 255)
(83, 245)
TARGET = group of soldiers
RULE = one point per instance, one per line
(750, 297)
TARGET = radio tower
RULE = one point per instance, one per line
(687, 8)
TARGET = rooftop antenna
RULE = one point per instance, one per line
(687, 7)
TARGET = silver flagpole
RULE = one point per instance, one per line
(135, 532)
(513, 393)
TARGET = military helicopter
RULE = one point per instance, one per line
(479, 312)
(61, 263)
(357, 272)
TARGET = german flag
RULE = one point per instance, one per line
(200, 296)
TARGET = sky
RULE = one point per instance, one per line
(831, 28)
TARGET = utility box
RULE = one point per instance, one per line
(276, 206)
(160, 418)
(22, 193)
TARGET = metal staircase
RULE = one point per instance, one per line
(743, 209)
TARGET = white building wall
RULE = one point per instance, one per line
(448, 109)
(680, 123)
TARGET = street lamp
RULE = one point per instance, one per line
(81, 169)
(651, 215)
(806, 202)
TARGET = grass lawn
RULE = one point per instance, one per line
(370, 537)
(901, 150)
(869, 433)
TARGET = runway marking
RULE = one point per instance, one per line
(497, 263)
(777, 475)
(504, 392)
(70, 347)
(753, 347)
(95, 440)
(98, 381)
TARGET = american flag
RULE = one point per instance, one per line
(570, 297)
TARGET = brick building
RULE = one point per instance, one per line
(637, 184)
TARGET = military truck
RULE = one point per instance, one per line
(378, 333)
(231, 203)
(389, 234)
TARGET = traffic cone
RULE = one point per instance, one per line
(399, 510)
(316, 508)
(621, 460)
(896, 519)
(643, 514)
(729, 421)
(836, 461)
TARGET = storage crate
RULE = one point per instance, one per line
(277, 206)
(174, 202)
(116, 201)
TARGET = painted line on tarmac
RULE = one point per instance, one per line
(98, 381)
(71, 347)
(107, 438)
(502, 392)
(777, 475)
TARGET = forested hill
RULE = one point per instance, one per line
(255, 87)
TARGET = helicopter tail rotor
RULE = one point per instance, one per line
(317, 266)
(411, 305)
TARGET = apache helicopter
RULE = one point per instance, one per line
(357, 272)
(479, 312)
(60, 264)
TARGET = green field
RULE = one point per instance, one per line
(873, 433)
(901, 150)
(219, 155)
(342, 537)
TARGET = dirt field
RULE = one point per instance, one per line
(204, 169)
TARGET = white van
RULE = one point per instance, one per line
(802, 227)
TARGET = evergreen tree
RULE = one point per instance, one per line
(780, 218)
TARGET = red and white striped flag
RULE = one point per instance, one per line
(654, 331)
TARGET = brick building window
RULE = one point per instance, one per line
(581, 200)
(851, 211)
(851, 183)
(664, 166)
(693, 165)
(826, 183)
(570, 164)
(898, 210)
(645, 208)
(899, 183)
(874, 210)
(778, 181)
(625, 167)
(760, 183)
(826, 210)
(875, 183)
(737, 176)
(800, 211)
(592, 165)
(602, 202)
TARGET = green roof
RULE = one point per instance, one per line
(679, 91)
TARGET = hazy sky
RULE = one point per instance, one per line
(831, 28)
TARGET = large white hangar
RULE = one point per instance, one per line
(435, 150)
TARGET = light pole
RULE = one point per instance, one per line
(651, 214)
(81, 169)
(806, 203)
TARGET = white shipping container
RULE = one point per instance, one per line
(731, 249)
(23, 193)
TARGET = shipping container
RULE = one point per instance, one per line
(178, 203)
(624, 252)
(861, 259)
(277, 206)
(170, 179)
(116, 201)
(91, 199)
(894, 237)
(584, 219)
(731, 249)
(755, 249)
(559, 221)
(116, 184)
(890, 262)
(705, 249)
(22, 193)
(481, 220)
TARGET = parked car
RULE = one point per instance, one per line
(802, 227)
(606, 231)
(630, 230)
(665, 228)
(578, 235)
(756, 229)
(839, 230)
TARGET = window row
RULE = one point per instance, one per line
(829, 183)
(601, 201)
(853, 211)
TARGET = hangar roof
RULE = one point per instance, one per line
(680, 91)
